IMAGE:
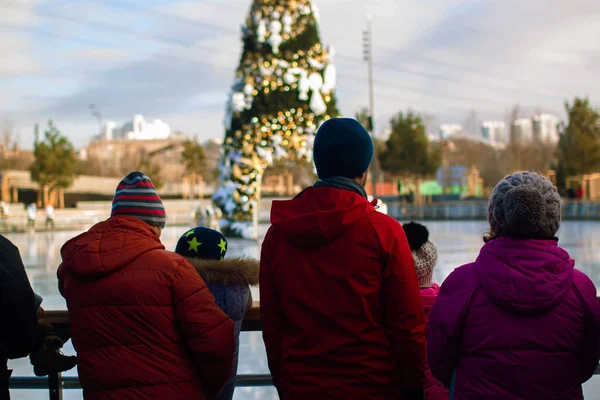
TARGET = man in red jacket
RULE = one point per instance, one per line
(339, 297)
(143, 322)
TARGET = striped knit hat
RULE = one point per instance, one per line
(137, 197)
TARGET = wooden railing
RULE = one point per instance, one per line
(251, 320)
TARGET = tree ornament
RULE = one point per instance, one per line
(303, 86)
(330, 55)
(289, 78)
(238, 102)
(275, 38)
(317, 104)
(330, 79)
(315, 81)
(261, 31)
(287, 22)
(314, 63)
(316, 14)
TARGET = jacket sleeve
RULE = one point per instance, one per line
(589, 354)
(60, 274)
(445, 325)
(404, 322)
(270, 314)
(17, 303)
(207, 331)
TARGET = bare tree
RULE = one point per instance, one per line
(7, 134)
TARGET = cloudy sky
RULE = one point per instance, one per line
(176, 60)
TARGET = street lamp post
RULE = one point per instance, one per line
(368, 57)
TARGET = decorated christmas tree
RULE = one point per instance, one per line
(283, 90)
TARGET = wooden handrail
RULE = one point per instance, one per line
(251, 320)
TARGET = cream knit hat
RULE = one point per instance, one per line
(525, 205)
(424, 252)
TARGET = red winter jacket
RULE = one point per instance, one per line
(143, 322)
(340, 303)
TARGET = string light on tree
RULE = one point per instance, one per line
(283, 90)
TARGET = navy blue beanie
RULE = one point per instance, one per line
(343, 147)
(201, 242)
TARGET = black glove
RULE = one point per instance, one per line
(412, 394)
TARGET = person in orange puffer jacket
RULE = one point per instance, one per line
(143, 322)
(425, 255)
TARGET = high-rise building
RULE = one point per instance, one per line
(138, 129)
(450, 130)
(522, 131)
(494, 132)
(545, 128)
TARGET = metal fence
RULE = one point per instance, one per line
(478, 210)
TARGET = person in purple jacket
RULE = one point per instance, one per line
(520, 322)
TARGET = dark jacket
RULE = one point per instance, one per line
(18, 312)
(340, 303)
(143, 322)
(17, 304)
(229, 281)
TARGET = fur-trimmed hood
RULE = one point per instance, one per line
(230, 271)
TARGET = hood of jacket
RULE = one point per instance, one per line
(318, 215)
(108, 247)
(231, 271)
(432, 291)
(524, 276)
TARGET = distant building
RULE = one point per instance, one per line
(545, 128)
(115, 157)
(137, 129)
(522, 130)
(494, 132)
(433, 137)
(450, 130)
(540, 128)
(119, 156)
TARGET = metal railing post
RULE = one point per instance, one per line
(55, 386)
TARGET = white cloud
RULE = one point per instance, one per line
(103, 56)
(15, 58)
(440, 56)
(19, 13)
(16, 64)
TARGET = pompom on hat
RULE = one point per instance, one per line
(342, 147)
(524, 205)
(137, 197)
(424, 252)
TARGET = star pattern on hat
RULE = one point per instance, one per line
(223, 246)
(194, 244)
(189, 233)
